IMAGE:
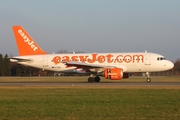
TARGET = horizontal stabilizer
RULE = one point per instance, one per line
(19, 60)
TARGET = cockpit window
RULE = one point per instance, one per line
(161, 58)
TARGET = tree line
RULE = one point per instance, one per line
(8, 68)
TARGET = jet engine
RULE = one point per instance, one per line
(114, 73)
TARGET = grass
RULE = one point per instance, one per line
(90, 103)
(74, 103)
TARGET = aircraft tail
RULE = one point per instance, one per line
(26, 45)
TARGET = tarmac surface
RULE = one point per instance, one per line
(80, 84)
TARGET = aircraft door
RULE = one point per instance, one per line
(148, 59)
(45, 61)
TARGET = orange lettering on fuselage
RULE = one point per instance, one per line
(109, 56)
(83, 58)
(56, 60)
(75, 58)
(93, 58)
(119, 59)
(99, 58)
(127, 58)
(137, 58)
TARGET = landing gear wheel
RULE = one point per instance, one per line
(90, 79)
(148, 79)
(97, 79)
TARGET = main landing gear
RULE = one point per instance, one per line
(148, 77)
(94, 79)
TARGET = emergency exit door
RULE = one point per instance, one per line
(147, 59)
(45, 61)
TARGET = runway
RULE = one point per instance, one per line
(79, 84)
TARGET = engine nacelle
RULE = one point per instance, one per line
(113, 73)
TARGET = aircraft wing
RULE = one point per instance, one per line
(79, 64)
(90, 66)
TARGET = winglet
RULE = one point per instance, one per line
(26, 45)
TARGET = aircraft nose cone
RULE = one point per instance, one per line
(170, 65)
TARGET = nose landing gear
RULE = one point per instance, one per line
(148, 77)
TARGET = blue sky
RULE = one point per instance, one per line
(94, 25)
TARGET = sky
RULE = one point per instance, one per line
(94, 25)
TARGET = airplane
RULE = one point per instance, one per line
(113, 66)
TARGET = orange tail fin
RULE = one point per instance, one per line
(26, 45)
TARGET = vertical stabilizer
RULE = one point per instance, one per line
(26, 45)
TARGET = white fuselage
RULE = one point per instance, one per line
(129, 62)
